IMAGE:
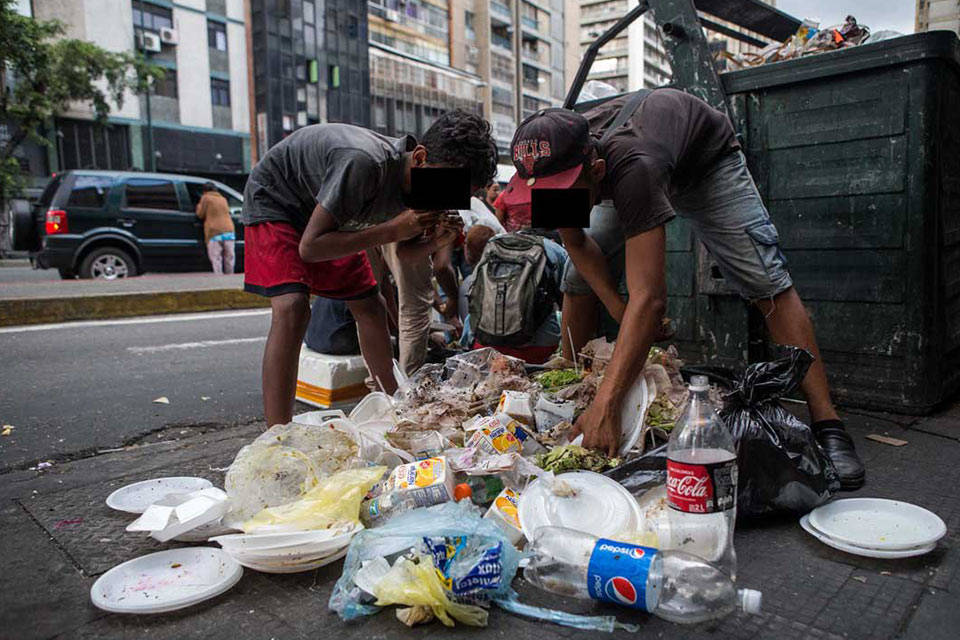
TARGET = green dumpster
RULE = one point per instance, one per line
(857, 156)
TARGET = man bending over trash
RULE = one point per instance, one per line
(644, 158)
(313, 204)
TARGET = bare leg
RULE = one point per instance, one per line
(789, 323)
(370, 315)
(281, 355)
(578, 319)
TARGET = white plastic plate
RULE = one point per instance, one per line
(861, 551)
(136, 497)
(877, 523)
(295, 568)
(166, 581)
(632, 414)
(601, 506)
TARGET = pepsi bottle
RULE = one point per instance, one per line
(672, 585)
(702, 483)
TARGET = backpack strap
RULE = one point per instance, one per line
(626, 111)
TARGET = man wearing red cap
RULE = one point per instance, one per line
(669, 154)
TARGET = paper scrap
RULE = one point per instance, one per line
(7, 429)
(893, 442)
(860, 579)
(204, 398)
(162, 400)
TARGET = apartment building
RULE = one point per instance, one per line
(310, 65)
(412, 80)
(196, 120)
(938, 14)
(517, 49)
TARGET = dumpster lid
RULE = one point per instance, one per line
(910, 48)
(755, 15)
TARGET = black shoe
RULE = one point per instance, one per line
(838, 445)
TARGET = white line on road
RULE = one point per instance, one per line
(193, 345)
(179, 317)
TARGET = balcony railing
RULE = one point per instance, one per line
(501, 8)
(530, 22)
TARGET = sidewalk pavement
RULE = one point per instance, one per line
(59, 536)
(66, 300)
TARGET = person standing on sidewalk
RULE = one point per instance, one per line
(312, 206)
(218, 231)
(645, 158)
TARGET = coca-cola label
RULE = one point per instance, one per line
(702, 488)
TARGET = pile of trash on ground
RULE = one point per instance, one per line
(435, 497)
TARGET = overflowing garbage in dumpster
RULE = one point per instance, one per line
(436, 497)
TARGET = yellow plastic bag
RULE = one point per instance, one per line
(418, 583)
(334, 501)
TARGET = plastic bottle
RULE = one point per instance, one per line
(672, 585)
(702, 482)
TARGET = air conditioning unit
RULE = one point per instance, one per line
(169, 36)
(148, 41)
(392, 15)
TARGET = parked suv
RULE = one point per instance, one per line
(114, 224)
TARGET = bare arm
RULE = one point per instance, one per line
(588, 258)
(322, 241)
(201, 212)
(645, 264)
(447, 277)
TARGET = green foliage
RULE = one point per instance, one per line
(43, 73)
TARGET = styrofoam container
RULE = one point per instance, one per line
(166, 581)
(295, 567)
(178, 514)
(877, 523)
(136, 497)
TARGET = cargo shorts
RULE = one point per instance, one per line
(727, 215)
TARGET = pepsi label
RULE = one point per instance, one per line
(618, 573)
(702, 488)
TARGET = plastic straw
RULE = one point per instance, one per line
(573, 351)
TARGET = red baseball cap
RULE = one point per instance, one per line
(549, 150)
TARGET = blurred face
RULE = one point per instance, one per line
(492, 192)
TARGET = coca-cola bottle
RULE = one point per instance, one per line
(702, 482)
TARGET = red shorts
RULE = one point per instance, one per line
(272, 267)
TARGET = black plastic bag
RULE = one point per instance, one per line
(781, 467)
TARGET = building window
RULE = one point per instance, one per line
(150, 16)
(167, 87)
(216, 35)
(150, 193)
(353, 27)
(308, 13)
(219, 92)
(333, 76)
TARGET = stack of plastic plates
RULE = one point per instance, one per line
(875, 527)
(584, 501)
(166, 581)
(289, 552)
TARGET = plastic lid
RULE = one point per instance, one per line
(699, 383)
(750, 600)
(462, 491)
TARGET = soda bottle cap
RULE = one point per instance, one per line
(699, 383)
(750, 600)
(462, 491)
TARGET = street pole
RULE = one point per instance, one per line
(152, 163)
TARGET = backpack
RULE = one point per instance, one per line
(513, 290)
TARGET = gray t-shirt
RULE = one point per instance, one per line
(354, 173)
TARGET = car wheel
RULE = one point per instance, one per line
(108, 263)
(22, 230)
(67, 274)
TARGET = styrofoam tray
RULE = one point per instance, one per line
(877, 523)
(601, 506)
(632, 414)
(294, 568)
(166, 581)
(263, 542)
(887, 554)
(136, 497)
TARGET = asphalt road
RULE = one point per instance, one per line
(27, 274)
(77, 387)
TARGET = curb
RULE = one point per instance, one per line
(24, 311)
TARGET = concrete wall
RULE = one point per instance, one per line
(239, 97)
(193, 66)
